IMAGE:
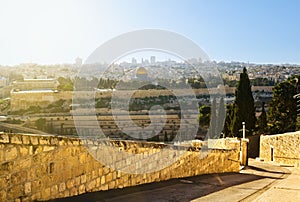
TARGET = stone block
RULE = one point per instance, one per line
(54, 141)
(62, 142)
(54, 190)
(82, 158)
(75, 151)
(88, 177)
(31, 173)
(36, 185)
(73, 191)
(66, 193)
(90, 185)
(4, 181)
(98, 182)
(133, 181)
(62, 187)
(41, 171)
(15, 192)
(108, 177)
(27, 188)
(83, 179)
(36, 196)
(111, 185)
(25, 199)
(60, 195)
(119, 174)
(48, 148)
(37, 149)
(46, 193)
(15, 139)
(94, 174)
(1, 154)
(120, 185)
(30, 150)
(76, 171)
(104, 187)
(76, 142)
(45, 140)
(4, 138)
(105, 170)
(69, 142)
(77, 181)
(100, 171)
(24, 151)
(103, 180)
(34, 140)
(81, 189)
(25, 139)
(114, 175)
(11, 153)
(70, 183)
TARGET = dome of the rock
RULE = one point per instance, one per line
(141, 71)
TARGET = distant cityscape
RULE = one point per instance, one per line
(31, 92)
(228, 70)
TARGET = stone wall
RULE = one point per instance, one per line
(25, 99)
(35, 167)
(282, 148)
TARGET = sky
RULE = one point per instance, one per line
(58, 31)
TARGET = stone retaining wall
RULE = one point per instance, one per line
(35, 167)
(282, 148)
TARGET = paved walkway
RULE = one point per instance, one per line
(278, 183)
(259, 182)
(287, 189)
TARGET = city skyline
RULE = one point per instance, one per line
(52, 32)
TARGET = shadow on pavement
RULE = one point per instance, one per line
(183, 189)
(266, 170)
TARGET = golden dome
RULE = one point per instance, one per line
(141, 71)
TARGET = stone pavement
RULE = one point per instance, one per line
(287, 189)
(259, 182)
(264, 189)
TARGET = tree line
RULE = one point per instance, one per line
(281, 116)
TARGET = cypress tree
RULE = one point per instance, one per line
(244, 110)
(220, 117)
(204, 115)
(166, 137)
(228, 120)
(213, 119)
(262, 120)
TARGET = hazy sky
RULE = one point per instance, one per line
(58, 31)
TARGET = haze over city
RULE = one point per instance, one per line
(50, 32)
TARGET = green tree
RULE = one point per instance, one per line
(282, 109)
(204, 115)
(41, 124)
(220, 117)
(213, 120)
(244, 110)
(262, 123)
(65, 84)
(166, 139)
(228, 120)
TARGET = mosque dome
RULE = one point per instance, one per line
(141, 71)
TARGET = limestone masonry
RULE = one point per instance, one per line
(282, 148)
(36, 167)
